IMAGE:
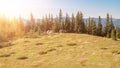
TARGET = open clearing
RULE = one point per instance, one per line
(60, 51)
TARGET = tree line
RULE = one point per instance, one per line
(73, 24)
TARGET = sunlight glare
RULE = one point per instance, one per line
(15, 8)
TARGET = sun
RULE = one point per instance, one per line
(10, 8)
(16, 8)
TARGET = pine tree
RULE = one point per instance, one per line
(51, 21)
(89, 28)
(99, 27)
(79, 24)
(111, 25)
(48, 25)
(93, 27)
(56, 25)
(72, 24)
(107, 31)
(60, 16)
(76, 27)
(32, 23)
(82, 24)
(67, 23)
(43, 24)
(60, 19)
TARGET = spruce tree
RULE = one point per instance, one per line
(76, 27)
(72, 24)
(67, 23)
(56, 25)
(99, 27)
(107, 31)
(111, 25)
(60, 16)
(60, 19)
(89, 28)
(82, 24)
(32, 23)
(94, 29)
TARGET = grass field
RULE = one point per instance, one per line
(60, 51)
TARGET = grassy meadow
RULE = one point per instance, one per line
(63, 50)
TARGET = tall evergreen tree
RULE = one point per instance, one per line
(67, 23)
(111, 25)
(32, 22)
(82, 24)
(72, 24)
(94, 29)
(76, 27)
(47, 24)
(99, 27)
(43, 24)
(79, 24)
(107, 26)
(56, 25)
(60, 19)
(60, 16)
(89, 28)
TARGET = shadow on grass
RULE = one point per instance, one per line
(46, 52)
(104, 48)
(51, 50)
(43, 53)
(26, 41)
(39, 43)
(5, 55)
(59, 46)
(71, 44)
(22, 58)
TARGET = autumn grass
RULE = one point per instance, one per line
(61, 51)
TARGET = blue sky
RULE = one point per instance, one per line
(39, 8)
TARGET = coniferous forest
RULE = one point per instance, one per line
(74, 23)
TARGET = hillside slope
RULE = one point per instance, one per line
(61, 51)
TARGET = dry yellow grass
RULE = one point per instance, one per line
(61, 51)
